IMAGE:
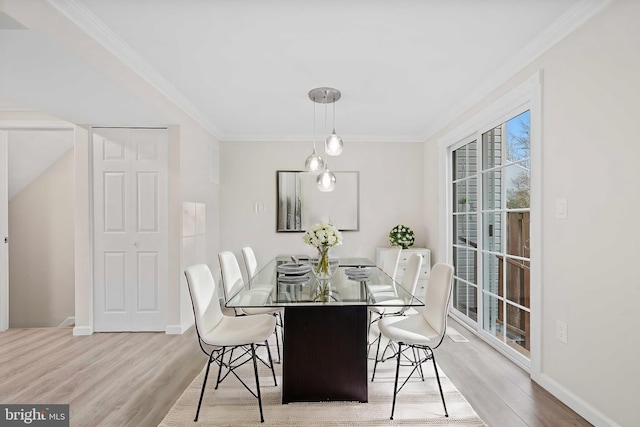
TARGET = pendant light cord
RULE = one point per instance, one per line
(314, 125)
(326, 96)
(334, 117)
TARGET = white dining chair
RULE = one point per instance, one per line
(218, 333)
(232, 281)
(422, 333)
(250, 261)
(251, 267)
(390, 268)
(391, 261)
(396, 306)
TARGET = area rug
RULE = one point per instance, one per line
(418, 403)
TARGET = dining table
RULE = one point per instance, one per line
(326, 322)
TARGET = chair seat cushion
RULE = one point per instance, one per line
(380, 288)
(409, 330)
(240, 330)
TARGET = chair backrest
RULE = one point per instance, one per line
(204, 298)
(410, 278)
(390, 262)
(231, 274)
(438, 297)
(250, 261)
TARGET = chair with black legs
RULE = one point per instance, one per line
(423, 332)
(390, 305)
(251, 266)
(390, 268)
(232, 281)
(219, 335)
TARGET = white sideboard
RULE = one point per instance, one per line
(425, 271)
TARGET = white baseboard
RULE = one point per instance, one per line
(178, 329)
(82, 330)
(574, 402)
(67, 322)
(169, 330)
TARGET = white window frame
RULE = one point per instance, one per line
(526, 96)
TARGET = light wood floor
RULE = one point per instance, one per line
(501, 392)
(132, 379)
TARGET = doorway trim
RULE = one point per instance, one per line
(4, 231)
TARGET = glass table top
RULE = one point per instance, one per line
(357, 281)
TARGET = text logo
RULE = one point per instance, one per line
(34, 415)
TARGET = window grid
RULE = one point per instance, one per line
(495, 201)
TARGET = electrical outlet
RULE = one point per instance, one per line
(561, 331)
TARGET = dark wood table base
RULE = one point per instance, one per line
(325, 353)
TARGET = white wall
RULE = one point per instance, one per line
(590, 157)
(194, 184)
(83, 233)
(391, 188)
(41, 250)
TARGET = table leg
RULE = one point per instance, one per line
(325, 353)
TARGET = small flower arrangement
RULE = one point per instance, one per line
(322, 235)
(402, 236)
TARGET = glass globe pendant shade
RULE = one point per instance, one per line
(326, 181)
(314, 163)
(333, 144)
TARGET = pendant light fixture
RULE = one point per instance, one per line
(327, 95)
(326, 180)
(314, 163)
(333, 144)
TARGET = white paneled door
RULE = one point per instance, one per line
(130, 223)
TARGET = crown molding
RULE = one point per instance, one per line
(568, 22)
(47, 125)
(16, 109)
(95, 28)
(319, 141)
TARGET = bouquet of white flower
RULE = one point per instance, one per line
(322, 235)
(402, 236)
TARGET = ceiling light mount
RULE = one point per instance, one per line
(324, 95)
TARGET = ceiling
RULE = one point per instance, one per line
(243, 68)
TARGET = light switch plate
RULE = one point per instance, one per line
(561, 331)
(561, 209)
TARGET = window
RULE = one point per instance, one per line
(506, 167)
(488, 186)
(465, 229)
